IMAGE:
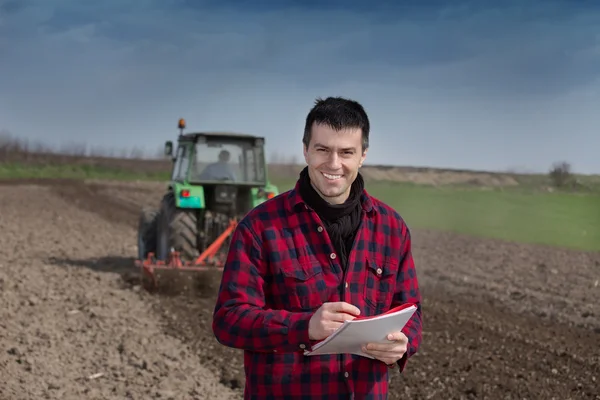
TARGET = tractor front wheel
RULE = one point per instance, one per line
(177, 230)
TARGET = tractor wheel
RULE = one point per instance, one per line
(147, 232)
(176, 230)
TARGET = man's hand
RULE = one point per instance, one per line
(329, 317)
(390, 352)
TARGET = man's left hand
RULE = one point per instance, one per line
(390, 352)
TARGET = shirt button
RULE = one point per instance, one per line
(379, 271)
(332, 256)
(302, 346)
(346, 285)
(346, 374)
(320, 229)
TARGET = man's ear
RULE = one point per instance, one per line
(305, 152)
(363, 158)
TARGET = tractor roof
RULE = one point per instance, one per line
(215, 135)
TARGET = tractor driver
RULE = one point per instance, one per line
(219, 170)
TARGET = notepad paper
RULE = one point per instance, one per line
(352, 335)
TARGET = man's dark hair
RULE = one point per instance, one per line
(338, 113)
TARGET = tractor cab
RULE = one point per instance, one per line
(215, 158)
(220, 171)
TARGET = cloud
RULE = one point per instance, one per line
(86, 69)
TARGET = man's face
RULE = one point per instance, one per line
(224, 157)
(333, 160)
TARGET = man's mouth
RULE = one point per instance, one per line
(331, 177)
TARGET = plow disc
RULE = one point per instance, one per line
(175, 276)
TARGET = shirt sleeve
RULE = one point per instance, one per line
(240, 319)
(408, 292)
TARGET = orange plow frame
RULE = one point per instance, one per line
(204, 262)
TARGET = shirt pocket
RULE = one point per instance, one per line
(379, 285)
(304, 285)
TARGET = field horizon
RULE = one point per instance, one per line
(21, 158)
(518, 207)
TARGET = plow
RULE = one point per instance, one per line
(216, 178)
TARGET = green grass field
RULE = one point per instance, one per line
(529, 216)
(558, 219)
(24, 171)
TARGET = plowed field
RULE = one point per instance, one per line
(502, 321)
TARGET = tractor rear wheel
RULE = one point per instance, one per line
(177, 229)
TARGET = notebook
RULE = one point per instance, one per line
(352, 335)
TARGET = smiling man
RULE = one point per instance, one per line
(302, 263)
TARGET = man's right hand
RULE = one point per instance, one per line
(329, 317)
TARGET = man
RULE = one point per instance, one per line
(218, 170)
(305, 261)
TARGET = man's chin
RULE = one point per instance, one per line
(331, 186)
(330, 194)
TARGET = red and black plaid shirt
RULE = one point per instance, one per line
(281, 268)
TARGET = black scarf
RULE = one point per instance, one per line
(341, 220)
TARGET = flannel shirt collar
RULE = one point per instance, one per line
(296, 202)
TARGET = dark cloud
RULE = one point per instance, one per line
(8, 7)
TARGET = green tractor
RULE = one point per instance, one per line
(216, 179)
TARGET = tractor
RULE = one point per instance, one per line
(216, 178)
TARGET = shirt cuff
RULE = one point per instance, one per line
(298, 332)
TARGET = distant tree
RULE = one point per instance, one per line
(560, 174)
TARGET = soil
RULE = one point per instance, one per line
(501, 320)
(71, 326)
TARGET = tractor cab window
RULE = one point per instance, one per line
(182, 162)
(231, 161)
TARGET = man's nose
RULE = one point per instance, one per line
(334, 162)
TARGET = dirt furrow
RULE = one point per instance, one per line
(73, 330)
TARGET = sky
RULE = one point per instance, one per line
(488, 85)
